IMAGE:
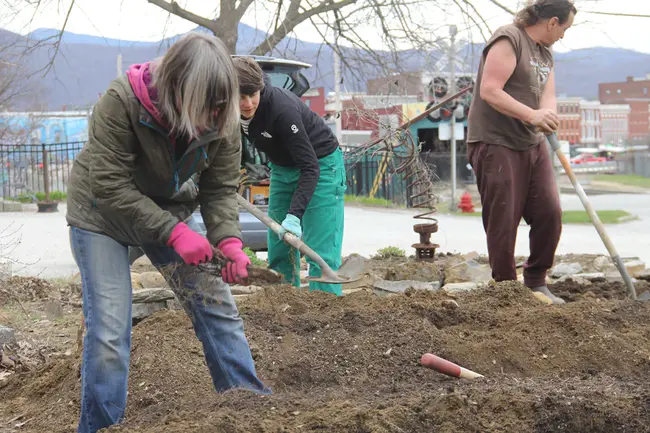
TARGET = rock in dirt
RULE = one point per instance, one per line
(467, 272)
(143, 264)
(244, 290)
(460, 287)
(143, 310)
(403, 286)
(594, 277)
(644, 275)
(7, 336)
(635, 267)
(576, 279)
(413, 270)
(152, 295)
(151, 280)
(601, 262)
(564, 269)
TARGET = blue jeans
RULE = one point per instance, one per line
(106, 287)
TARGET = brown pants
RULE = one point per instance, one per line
(513, 185)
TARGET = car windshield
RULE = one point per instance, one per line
(279, 79)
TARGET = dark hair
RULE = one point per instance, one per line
(545, 10)
(249, 73)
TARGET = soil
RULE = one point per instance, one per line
(351, 364)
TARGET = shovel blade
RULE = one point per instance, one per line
(645, 296)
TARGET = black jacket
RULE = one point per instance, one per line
(291, 135)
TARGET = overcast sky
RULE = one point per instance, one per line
(125, 19)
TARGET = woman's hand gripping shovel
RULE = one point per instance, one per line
(349, 271)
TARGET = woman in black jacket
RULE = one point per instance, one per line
(308, 180)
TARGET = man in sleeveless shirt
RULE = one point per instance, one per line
(514, 105)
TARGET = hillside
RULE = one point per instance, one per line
(86, 64)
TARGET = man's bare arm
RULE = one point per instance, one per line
(499, 65)
(549, 99)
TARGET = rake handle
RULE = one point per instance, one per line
(289, 237)
(555, 145)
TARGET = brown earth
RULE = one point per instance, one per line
(350, 364)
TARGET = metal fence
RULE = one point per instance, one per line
(371, 174)
(23, 170)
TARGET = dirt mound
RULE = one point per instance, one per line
(25, 289)
(350, 364)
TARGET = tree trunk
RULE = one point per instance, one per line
(228, 33)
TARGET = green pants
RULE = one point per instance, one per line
(322, 223)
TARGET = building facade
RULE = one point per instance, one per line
(568, 111)
(634, 92)
(590, 126)
(615, 123)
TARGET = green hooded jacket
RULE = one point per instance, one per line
(127, 183)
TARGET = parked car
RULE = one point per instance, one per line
(283, 73)
(585, 158)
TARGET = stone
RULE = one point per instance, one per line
(353, 266)
(644, 275)
(469, 271)
(152, 295)
(11, 206)
(151, 280)
(635, 267)
(450, 304)
(594, 277)
(576, 279)
(143, 310)
(173, 304)
(143, 264)
(543, 298)
(460, 287)
(7, 336)
(600, 262)
(563, 269)
(244, 290)
(404, 285)
(136, 283)
(616, 277)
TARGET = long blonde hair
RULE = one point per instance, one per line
(195, 79)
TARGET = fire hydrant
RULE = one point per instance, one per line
(466, 204)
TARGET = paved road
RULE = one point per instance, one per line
(44, 247)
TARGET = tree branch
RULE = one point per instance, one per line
(505, 8)
(292, 19)
(173, 8)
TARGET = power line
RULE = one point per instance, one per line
(615, 14)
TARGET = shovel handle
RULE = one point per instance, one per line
(289, 237)
(600, 228)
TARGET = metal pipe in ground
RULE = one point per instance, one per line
(600, 228)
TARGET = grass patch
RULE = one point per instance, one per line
(39, 196)
(606, 216)
(624, 179)
(581, 216)
(255, 261)
(370, 201)
(388, 252)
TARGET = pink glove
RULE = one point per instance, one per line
(191, 246)
(236, 268)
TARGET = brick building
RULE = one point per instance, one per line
(315, 99)
(568, 111)
(635, 93)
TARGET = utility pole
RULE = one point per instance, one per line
(337, 95)
(119, 65)
(452, 89)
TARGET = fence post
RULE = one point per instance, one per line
(46, 174)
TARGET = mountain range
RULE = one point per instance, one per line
(85, 64)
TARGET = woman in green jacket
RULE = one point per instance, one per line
(163, 123)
